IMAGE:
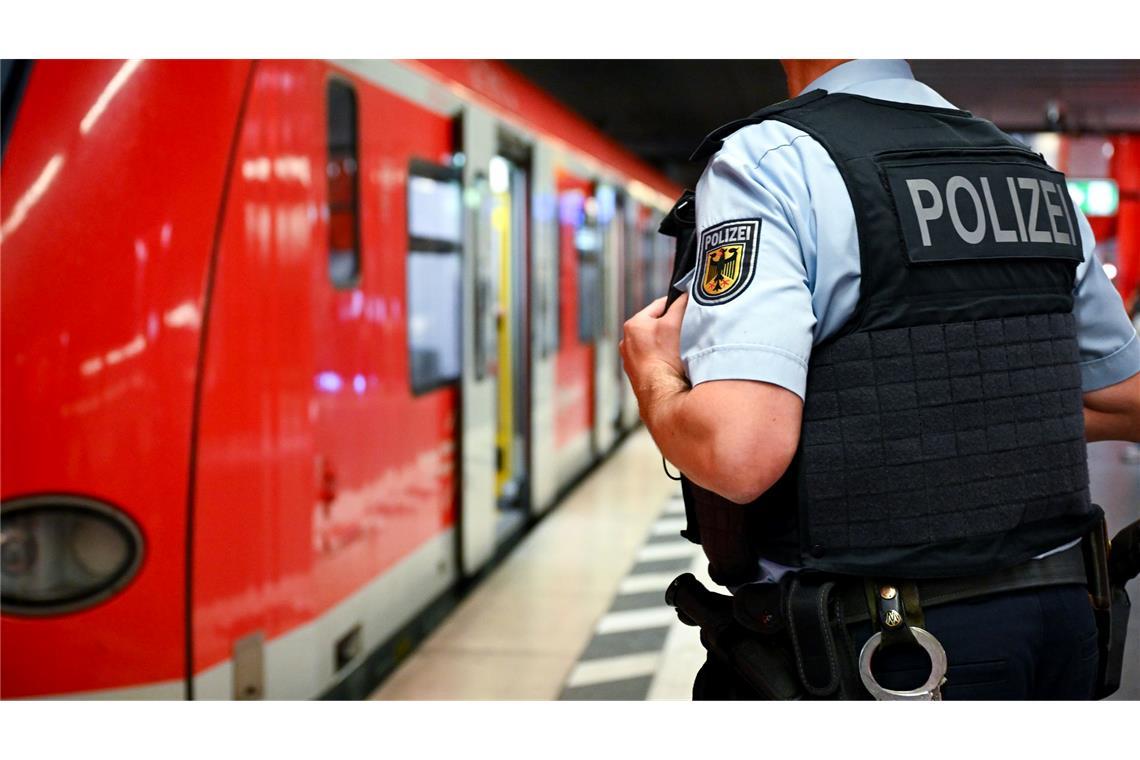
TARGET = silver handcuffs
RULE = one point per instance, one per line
(929, 691)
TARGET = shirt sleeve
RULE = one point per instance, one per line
(1110, 350)
(764, 331)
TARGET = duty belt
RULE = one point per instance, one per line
(1066, 566)
(790, 640)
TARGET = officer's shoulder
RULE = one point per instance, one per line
(772, 153)
(754, 142)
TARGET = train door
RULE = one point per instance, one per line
(542, 470)
(607, 393)
(509, 198)
(479, 386)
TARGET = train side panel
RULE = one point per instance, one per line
(325, 487)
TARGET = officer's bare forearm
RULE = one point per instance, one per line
(1113, 413)
(733, 437)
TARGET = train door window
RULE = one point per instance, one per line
(434, 275)
(485, 279)
(507, 185)
(545, 258)
(609, 230)
(571, 213)
(553, 282)
(588, 244)
(344, 185)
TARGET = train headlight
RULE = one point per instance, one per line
(62, 553)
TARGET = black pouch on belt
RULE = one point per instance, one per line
(1110, 565)
(823, 650)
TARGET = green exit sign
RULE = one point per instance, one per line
(1095, 197)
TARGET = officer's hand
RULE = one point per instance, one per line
(651, 346)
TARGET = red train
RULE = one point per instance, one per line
(290, 350)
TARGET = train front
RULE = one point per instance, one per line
(112, 180)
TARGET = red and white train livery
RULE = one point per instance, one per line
(290, 350)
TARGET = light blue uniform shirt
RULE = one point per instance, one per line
(806, 283)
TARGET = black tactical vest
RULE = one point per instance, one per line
(943, 431)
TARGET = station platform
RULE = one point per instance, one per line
(577, 611)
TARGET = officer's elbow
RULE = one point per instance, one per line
(745, 464)
(751, 477)
(744, 492)
(1113, 413)
(746, 434)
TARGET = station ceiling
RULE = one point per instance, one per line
(660, 109)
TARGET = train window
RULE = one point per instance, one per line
(344, 185)
(13, 78)
(434, 275)
(435, 209)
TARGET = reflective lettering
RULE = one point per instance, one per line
(1016, 208)
(1000, 235)
(1054, 212)
(960, 211)
(974, 236)
(1035, 235)
(1065, 201)
(926, 214)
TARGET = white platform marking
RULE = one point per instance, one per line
(668, 525)
(633, 620)
(679, 549)
(637, 584)
(682, 655)
(613, 669)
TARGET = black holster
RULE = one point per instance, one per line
(786, 641)
(1110, 565)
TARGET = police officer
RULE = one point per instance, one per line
(963, 342)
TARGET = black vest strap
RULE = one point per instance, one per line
(715, 139)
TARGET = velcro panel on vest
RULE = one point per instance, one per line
(919, 441)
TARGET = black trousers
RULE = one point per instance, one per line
(1034, 644)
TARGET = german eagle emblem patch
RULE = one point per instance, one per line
(727, 262)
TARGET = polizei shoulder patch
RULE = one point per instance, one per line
(727, 261)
